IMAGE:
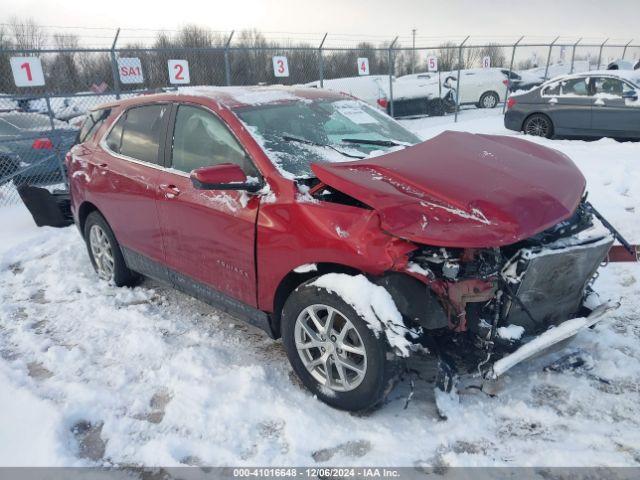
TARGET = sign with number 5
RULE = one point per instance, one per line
(27, 71)
(280, 67)
(179, 71)
(363, 66)
(432, 64)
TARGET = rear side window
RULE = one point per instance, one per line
(137, 133)
(575, 86)
(92, 123)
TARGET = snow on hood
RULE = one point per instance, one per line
(463, 190)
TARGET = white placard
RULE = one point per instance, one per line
(486, 62)
(280, 67)
(432, 63)
(130, 70)
(179, 71)
(27, 71)
(355, 113)
(363, 66)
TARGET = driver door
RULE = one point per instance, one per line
(208, 235)
(611, 114)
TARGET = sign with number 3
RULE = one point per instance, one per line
(280, 67)
(179, 72)
(27, 71)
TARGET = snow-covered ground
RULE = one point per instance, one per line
(92, 374)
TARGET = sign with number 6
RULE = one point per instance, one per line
(27, 71)
(486, 62)
(363, 66)
(179, 72)
(280, 67)
(432, 63)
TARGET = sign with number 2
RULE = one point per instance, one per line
(280, 67)
(363, 66)
(178, 71)
(27, 71)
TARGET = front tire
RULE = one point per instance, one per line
(538, 125)
(105, 254)
(334, 352)
(488, 100)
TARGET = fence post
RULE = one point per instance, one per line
(391, 70)
(624, 51)
(455, 118)
(508, 87)
(227, 65)
(600, 54)
(321, 61)
(573, 54)
(546, 69)
(63, 174)
(114, 66)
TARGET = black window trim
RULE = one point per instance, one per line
(171, 128)
(162, 140)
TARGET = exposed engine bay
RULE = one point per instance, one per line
(497, 299)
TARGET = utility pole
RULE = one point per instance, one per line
(413, 52)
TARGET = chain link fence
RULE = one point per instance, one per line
(45, 93)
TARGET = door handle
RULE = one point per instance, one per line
(599, 102)
(553, 101)
(170, 191)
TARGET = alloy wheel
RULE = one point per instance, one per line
(489, 101)
(330, 348)
(102, 252)
(538, 126)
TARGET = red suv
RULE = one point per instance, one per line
(323, 221)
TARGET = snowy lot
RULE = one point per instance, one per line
(92, 374)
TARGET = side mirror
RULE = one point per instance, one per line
(630, 94)
(225, 176)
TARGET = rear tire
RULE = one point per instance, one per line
(105, 254)
(539, 125)
(488, 100)
(378, 365)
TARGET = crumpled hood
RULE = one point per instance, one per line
(462, 189)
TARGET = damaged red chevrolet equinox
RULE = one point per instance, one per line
(325, 222)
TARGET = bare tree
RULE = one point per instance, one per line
(496, 53)
(27, 34)
(447, 56)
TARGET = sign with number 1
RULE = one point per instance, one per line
(280, 67)
(130, 70)
(27, 71)
(363, 66)
(178, 72)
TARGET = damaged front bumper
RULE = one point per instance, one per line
(547, 340)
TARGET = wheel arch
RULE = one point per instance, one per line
(84, 210)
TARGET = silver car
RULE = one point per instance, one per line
(590, 104)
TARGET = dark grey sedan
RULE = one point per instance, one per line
(590, 104)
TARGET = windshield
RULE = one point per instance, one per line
(296, 134)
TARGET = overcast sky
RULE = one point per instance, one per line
(374, 18)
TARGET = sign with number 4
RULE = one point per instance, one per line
(178, 71)
(27, 71)
(432, 63)
(363, 66)
(486, 62)
(280, 67)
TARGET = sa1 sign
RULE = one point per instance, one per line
(363, 66)
(280, 67)
(486, 62)
(130, 70)
(432, 63)
(27, 71)
(178, 71)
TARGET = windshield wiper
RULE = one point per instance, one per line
(289, 138)
(364, 141)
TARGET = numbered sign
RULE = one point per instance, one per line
(363, 66)
(178, 71)
(280, 67)
(27, 71)
(486, 62)
(130, 70)
(432, 63)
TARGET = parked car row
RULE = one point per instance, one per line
(591, 104)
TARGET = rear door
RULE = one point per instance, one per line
(569, 105)
(209, 235)
(124, 183)
(611, 115)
